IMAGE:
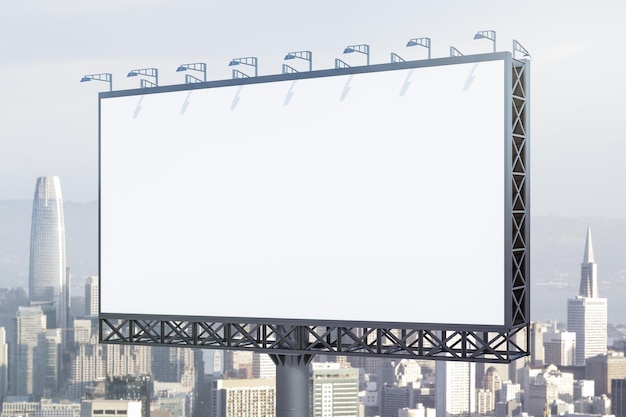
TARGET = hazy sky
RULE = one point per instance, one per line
(48, 119)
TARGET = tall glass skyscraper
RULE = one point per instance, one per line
(48, 275)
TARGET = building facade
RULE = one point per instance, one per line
(559, 348)
(334, 390)
(110, 408)
(48, 274)
(603, 368)
(587, 313)
(4, 364)
(455, 393)
(27, 365)
(91, 297)
(618, 397)
(237, 397)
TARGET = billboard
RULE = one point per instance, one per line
(377, 194)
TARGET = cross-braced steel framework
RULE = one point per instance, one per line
(480, 343)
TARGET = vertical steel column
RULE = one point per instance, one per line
(292, 375)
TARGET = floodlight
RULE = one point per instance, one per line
(196, 66)
(304, 55)
(361, 48)
(147, 72)
(106, 77)
(425, 42)
(487, 34)
(248, 60)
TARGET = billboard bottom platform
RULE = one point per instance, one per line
(497, 346)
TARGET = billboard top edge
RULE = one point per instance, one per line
(423, 63)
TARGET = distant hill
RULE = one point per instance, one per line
(557, 247)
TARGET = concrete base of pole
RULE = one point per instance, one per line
(292, 385)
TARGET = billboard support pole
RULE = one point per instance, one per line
(292, 375)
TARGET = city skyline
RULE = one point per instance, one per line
(576, 92)
(50, 120)
(91, 361)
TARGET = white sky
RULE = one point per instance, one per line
(48, 120)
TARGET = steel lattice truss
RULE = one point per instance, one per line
(412, 343)
(337, 340)
(520, 192)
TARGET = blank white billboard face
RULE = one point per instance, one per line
(375, 197)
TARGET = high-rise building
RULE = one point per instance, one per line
(122, 360)
(537, 354)
(48, 273)
(87, 361)
(91, 296)
(334, 390)
(132, 387)
(4, 363)
(237, 363)
(399, 372)
(584, 388)
(493, 384)
(262, 366)
(175, 365)
(28, 371)
(618, 397)
(50, 356)
(560, 348)
(587, 313)
(238, 397)
(510, 392)
(539, 397)
(564, 381)
(394, 398)
(603, 368)
(455, 395)
(484, 401)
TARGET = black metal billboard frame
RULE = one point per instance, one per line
(501, 344)
(271, 338)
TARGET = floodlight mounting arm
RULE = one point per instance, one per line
(288, 69)
(190, 79)
(455, 52)
(248, 60)
(424, 42)
(147, 84)
(487, 34)
(396, 58)
(238, 74)
(104, 76)
(360, 48)
(148, 72)
(517, 47)
(340, 64)
(195, 66)
(304, 55)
